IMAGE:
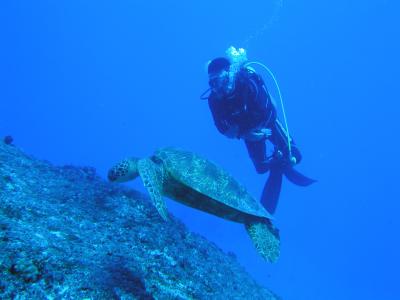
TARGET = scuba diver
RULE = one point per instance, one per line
(242, 108)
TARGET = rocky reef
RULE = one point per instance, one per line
(65, 233)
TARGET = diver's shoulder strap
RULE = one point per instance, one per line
(252, 75)
(260, 89)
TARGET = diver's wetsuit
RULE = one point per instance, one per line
(250, 107)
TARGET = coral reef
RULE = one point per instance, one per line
(65, 233)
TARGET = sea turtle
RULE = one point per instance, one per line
(195, 181)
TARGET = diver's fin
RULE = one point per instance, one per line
(266, 239)
(272, 190)
(297, 178)
(152, 177)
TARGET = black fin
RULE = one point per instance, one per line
(272, 190)
(298, 178)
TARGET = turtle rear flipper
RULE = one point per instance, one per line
(152, 177)
(265, 239)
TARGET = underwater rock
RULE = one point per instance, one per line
(65, 233)
(8, 140)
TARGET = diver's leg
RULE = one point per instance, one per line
(258, 153)
(279, 138)
(272, 190)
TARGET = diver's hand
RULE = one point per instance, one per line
(266, 131)
(257, 135)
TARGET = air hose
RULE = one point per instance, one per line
(280, 98)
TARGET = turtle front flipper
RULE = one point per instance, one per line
(152, 177)
(265, 239)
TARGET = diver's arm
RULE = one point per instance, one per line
(255, 100)
(220, 121)
(224, 128)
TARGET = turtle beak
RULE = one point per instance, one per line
(112, 175)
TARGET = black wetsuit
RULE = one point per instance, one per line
(250, 107)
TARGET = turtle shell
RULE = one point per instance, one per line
(198, 173)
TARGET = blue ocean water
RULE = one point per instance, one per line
(91, 82)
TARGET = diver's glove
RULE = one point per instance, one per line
(257, 135)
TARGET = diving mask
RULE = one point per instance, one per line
(219, 82)
(222, 71)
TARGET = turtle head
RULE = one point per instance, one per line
(124, 171)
